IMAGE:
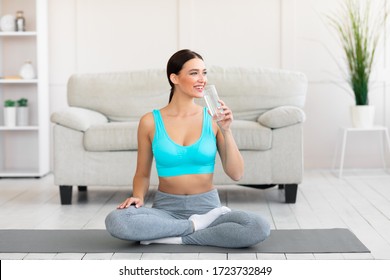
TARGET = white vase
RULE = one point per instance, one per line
(9, 116)
(22, 116)
(362, 116)
(27, 71)
(7, 23)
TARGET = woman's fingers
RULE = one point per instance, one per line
(130, 201)
(126, 203)
(227, 112)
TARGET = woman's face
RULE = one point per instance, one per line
(192, 78)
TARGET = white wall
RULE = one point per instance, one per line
(116, 35)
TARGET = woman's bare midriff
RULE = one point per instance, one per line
(186, 184)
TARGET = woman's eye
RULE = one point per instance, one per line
(193, 73)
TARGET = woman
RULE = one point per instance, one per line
(183, 139)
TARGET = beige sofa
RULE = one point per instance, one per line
(95, 141)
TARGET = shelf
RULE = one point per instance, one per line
(18, 34)
(18, 128)
(18, 81)
(25, 150)
(16, 173)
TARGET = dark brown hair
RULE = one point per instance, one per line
(175, 64)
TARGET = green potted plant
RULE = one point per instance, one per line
(9, 113)
(359, 31)
(22, 112)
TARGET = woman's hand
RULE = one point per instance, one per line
(232, 161)
(137, 202)
(225, 123)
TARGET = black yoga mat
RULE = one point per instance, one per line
(336, 240)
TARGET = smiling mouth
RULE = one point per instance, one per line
(199, 88)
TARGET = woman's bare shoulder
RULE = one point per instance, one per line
(147, 121)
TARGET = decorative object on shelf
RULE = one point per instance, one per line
(27, 71)
(7, 23)
(20, 22)
(9, 113)
(11, 77)
(22, 112)
(359, 31)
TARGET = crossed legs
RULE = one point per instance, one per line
(188, 219)
(218, 227)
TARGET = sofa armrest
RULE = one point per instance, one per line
(282, 116)
(78, 118)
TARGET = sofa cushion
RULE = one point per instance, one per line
(114, 136)
(121, 96)
(282, 116)
(250, 92)
(78, 118)
(122, 136)
(126, 96)
(251, 135)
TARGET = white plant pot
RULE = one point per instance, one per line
(362, 116)
(10, 116)
(22, 118)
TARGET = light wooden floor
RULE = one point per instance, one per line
(360, 203)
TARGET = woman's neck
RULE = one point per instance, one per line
(182, 106)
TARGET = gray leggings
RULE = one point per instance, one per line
(169, 215)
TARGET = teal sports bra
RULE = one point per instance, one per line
(173, 159)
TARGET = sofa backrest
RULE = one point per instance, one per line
(249, 92)
(126, 96)
(121, 96)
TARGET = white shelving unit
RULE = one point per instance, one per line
(18, 34)
(24, 150)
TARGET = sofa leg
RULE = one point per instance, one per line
(281, 186)
(66, 195)
(82, 196)
(290, 192)
(82, 188)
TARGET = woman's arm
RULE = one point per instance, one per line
(231, 158)
(144, 163)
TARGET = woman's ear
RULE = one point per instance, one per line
(173, 78)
